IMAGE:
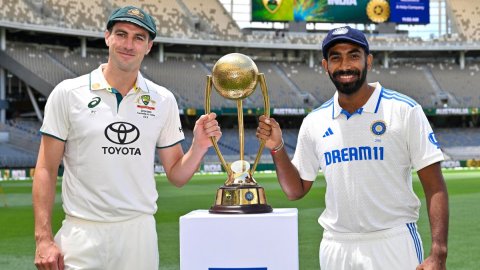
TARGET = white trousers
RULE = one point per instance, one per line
(398, 248)
(130, 244)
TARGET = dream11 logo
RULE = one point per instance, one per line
(121, 133)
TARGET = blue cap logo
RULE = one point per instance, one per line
(340, 31)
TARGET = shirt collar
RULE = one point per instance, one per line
(98, 81)
(369, 107)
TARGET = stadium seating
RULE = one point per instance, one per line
(460, 83)
(36, 59)
(13, 157)
(21, 149)
(407, 78)
(214, 19)
(19, 11)
(466, 16)
(459, 143)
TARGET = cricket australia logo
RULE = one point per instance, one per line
(145, 102)
(272, 5)
(145, 106)
(135, 12)
(121, 133)
(145, 99)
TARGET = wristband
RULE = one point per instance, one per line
(278, 148)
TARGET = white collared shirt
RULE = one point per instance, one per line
(367, 158)
(110, 144)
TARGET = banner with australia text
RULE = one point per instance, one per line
(341, 11)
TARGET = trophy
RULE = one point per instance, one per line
(235, 77)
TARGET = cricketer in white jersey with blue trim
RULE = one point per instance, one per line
(366, 140)
(366, 159)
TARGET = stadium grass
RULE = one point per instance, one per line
(16, 219)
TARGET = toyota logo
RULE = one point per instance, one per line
(122, 133)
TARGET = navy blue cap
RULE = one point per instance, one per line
(133, 15)
(344, 34)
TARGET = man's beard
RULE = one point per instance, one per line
(352, 87)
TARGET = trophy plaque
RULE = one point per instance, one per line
(235, 77)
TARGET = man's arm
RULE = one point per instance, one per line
(437, 206)
(180, 167)
(288, 177)
(47, 255)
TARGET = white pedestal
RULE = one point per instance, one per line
(239, 241)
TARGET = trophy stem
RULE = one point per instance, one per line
(266, 112)
(208, 93)
(240, 128)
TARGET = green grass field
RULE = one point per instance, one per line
(16, 219)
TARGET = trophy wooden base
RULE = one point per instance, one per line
(241, 199)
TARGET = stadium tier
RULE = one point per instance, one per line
(43, 42)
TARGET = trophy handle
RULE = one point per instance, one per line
(208, 93)
(266, 112)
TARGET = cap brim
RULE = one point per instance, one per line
(137, 22)
(333, 41)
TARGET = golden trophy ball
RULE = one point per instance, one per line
(235, 77)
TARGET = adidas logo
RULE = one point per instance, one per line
(328, 133)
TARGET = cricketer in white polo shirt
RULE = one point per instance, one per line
(366, 140)
(107, 126)
(109, 143)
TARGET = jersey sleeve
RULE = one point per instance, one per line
(423, 146)
(56, 114)
(305, 158)
(172, 132)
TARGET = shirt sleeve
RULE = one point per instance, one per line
(56, 122)
(423, 146)
(172, 132)
(305, 158)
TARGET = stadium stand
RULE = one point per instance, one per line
(74, 62)
(214, 19)
(459, 143)
(407, 78)
(466, 16)
(314, 83)
(22, 147)
(459, 83)
(19, 11)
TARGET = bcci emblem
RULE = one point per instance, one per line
(145, 99)
(379, 128)
(249, 196)
(272, 5)
(378, 11)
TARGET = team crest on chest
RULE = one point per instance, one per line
(378, 128)
(145, 106)
(145, 99)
